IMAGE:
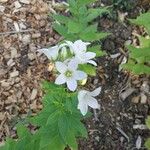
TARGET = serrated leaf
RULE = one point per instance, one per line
(63, 127)
(61, 19)
(89, 69)
(143, 20)
(94, 13)
(74, 27)
(84, 2)
(90, 36)
(144, 42)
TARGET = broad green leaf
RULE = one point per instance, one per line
(97, 49)
(63, 127)
(89, 69)
(74, 27)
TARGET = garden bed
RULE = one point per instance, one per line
(124, 98)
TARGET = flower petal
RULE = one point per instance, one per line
(82, 102)
(81, 95)
(72, 84)
(83, 108)
(79, 46)
(51, 53)
(89, 55)
(73, 65)
(92, 102)
(80, 75)
(61, 79)
(92, 62)
(96, 92)
(61, 67)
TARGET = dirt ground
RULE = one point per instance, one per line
(125, 98)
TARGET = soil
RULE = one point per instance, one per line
(113, 126)
(110, 128)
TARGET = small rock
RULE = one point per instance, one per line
(17, 4)
(4, 84)
(2, 8)
(26, 39)
(16, 26)
(13, 53)
(31, 56)
(14, 74)
(10, 63)
(143, 98)
(33, 94)
(3, 1)
(22, 26)
(25, 1)
(136, 99)
(36, 35)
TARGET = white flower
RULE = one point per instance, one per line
(81, 56)
(79, 46)
(86, 98)
(85, 57)
(69, 74)
(51, 53)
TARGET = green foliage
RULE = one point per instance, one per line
(148, 122)
(143, 20)
(89, 69)
(59, 123)
(139, 58)
(79, 24)
(125, 5)
(147, 143)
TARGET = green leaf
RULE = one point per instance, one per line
(74, 27)
(94, 13)
(144, 42)
(143, 20)
(89, 69)
(61, 19)
(90, 36)
(63, 127)
(85, 2)
(97, 49)
(148, 122)
(147, 144)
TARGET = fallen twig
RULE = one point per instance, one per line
(16, 32)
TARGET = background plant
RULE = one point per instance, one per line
(59, 122)
(147, 143)
(139, 58)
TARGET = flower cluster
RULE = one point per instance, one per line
(67, 57)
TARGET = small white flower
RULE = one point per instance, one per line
(85, 57)
(69, 74)
(86, 98)
(79, 46)
(51, 53)
(81, 56)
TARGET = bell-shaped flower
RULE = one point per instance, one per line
(69, 74)
(51, 53)
(86, 98)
